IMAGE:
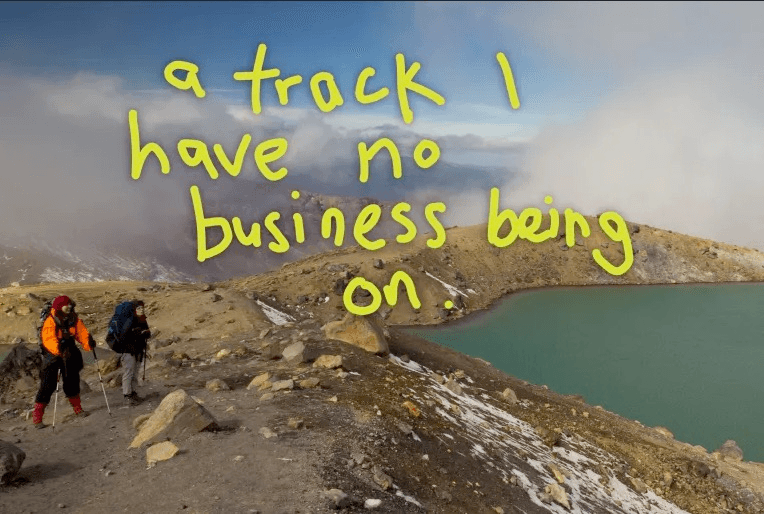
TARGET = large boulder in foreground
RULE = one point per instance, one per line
(177, 417)
(11, 458)
(20, 366)
(361, 331)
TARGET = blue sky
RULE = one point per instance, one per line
(653, 110)
(136, 40)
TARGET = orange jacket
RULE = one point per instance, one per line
(52, 333)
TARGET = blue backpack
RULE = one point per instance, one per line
(119, 325)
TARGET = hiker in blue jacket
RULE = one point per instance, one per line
(131, 335)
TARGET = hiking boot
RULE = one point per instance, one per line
(133, 399)
(39, 410)
(77, 407)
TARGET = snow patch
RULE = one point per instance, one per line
(451, 289)
(274, 315)
(506, 444)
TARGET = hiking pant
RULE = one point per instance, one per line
(70, 372)
(130, 365)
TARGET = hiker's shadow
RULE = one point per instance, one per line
(42, 472)
(153, 395)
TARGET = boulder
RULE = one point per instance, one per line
(294, 353)
(11, 458)
(22, 361)
(362, 331)
(178, 416)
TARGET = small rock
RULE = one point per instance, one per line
(731, 451)
(371, 504)
(160, 451)
(295, 423)
(549, 437)
(267, 433)
(217, 385)
(381, 478)
(379, 263)
(558, 494)
(338, 498)
(453, 386)
(258, 381)
(328, 361)
(225, 352)
(558, 475)
(61, 506)
(309, 383)
(238, 458)
(639, 485)
(282, 385)
(266, 396)
(413, 409)
(509, 395)
(665, 432)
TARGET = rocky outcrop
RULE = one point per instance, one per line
(730, 451)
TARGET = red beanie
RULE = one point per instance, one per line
(60, 302)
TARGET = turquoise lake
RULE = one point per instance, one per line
(689, 358)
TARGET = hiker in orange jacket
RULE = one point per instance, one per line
(59, 354)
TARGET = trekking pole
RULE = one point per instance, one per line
(145, 356)
(55, 404)
(98, 368)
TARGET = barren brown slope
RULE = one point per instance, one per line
(468, 262)
(482, 451)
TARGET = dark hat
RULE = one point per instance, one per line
(60, 302)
